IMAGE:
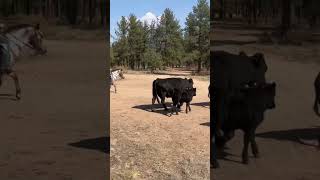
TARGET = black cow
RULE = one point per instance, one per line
(169, 87)
(228, 73)
(186, 97)
(246, 110)
(317, 94)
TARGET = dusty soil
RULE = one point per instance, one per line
(152, 145)
(58, 129)
(283, 156)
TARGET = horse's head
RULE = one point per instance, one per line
(36, 40)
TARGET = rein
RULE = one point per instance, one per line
(25, 44)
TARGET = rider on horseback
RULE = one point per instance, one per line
(4, 51)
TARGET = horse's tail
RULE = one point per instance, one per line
(154, 90)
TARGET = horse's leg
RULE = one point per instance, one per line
(14, 76)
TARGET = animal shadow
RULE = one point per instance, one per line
(202, 104)
(295, 135)
(205, 124)
(101, 144)
(157, 108)
(222, 154)
(8, 97)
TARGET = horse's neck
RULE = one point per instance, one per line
(17, 43)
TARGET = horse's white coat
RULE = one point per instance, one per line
(18, 41)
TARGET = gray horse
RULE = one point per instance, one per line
(15, 42)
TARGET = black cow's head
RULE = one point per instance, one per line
(242, 53)
(190, 81)
(189, 92)
(259, 61)
(262, 95)
(194, 90)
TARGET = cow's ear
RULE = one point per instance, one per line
(242, 53)
(258, 59)
(190, 80)
(37, 26)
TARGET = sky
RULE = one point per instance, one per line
(147, 10)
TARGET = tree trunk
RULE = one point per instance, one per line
(286, 17)
(199, 65)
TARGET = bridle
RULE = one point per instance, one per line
(24, 43)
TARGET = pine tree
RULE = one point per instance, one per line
(197, 32)
(169, 37)
(121, 47)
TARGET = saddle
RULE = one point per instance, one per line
(4, 57)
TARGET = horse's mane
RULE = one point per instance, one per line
(17, 27)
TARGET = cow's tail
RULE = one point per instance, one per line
(316, 104)
(154, 91)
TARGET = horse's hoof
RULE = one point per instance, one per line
(18, 96)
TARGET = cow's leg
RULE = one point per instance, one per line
(316, 101)
(0, 79)
(213, 151)
(246, 139)
(153, 101)
(175, 103)
(221, 107)
(189, 106)
(180, 104)
(229, 135)
(14, 76)
(163, 102)
(254, 146)
(186, 108)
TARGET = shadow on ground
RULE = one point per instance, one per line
(202, 104)
(205, 124)
(8, 97)
(294, 135)
(157, 108)
(101, 144)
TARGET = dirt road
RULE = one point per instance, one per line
(294, 69)
(151, 145)
(58, 129)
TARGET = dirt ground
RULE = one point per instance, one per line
(58, 129)
(152, 145)
(283, 156)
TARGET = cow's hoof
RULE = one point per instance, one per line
(257, 155)
(245, 161)
(215, 165)
(18, 96)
